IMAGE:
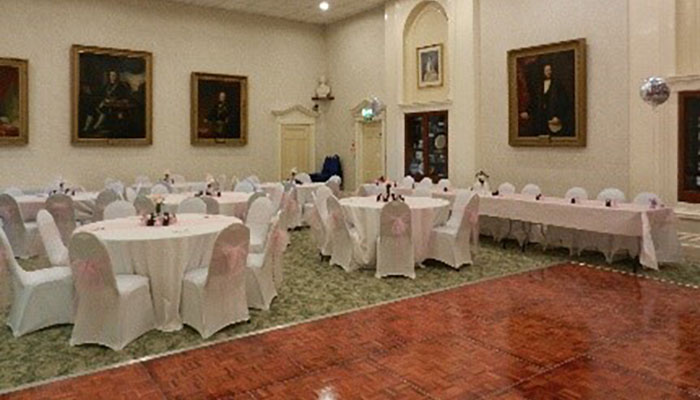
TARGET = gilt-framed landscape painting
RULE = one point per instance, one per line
(547, 95)
(219, 109)
(430, 69)
(13, 102)
(111, 96)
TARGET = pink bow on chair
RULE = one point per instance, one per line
(337, 218)
(235, 256)
(89, 276)
(399, 226)
(278, 242)
(472, 217)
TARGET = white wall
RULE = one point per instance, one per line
(355, 65)
(281, 59)
(507, 24)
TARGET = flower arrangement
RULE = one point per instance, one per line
(154, 219)
(167, 177)
(389, 195)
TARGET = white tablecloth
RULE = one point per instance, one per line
(183, 187)
(163, 254)
(305, 192)
(363, 213)
(233, 204)
(30, 204)
(656, 228)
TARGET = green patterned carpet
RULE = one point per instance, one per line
(311, 289)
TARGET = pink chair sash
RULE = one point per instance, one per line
(278, 242)
(236, 256)
(398, 226)
(89, 275)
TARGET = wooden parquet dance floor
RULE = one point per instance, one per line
(565, 332)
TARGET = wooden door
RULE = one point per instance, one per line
(372, 151)
(296, 149)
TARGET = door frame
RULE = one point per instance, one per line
(359, 124)
(296, 115)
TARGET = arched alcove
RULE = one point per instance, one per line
(425, 27)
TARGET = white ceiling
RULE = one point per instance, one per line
(297, 10)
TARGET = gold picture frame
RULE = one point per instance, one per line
(111, 99)
(14, 111)
(219, 109)
(547, 95)
(429, 74)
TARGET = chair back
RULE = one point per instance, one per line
(229, 258)
(104, 198)
(395, 220)
(407, 182)
(425, 183)
(577, 193)
(422, 191)
(469, 223)
(258, 218)
(7, 259)
(275, 194)
(144, 205)
(212, 205)
(646, 199)
(253, 179)
(11, 218)
(611, 194)
(506, 188)
(531, 189)
(334, 184)
(119, 209)
(321, 196)
(252, 199)
(117, 187)
(244, 186)
(51, 237)
(177, 178)
(336, 218)
(303, 177)
(13, 191)
(461, 200)
(192, 205)
(160, 188)
(130, 194)
(91, 268)
(61, 208)
(444, 184)
(223, 182)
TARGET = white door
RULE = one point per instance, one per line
(372, 152)
(296, 149)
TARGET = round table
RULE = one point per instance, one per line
(30, 204)
(233, 204)
(363, 213)
(305, 191)
(162, 254)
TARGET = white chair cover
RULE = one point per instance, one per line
(177, 178)
(23, 237)
(252, 199)
(278, 240)
(394, 245)
(223, 182)
(234, 182)
(160, 188)
(51, 237)
(275, 194)
(603, 242)
(104, 198)
(253, 179)
(577, 193)
(144, 205)
(117, 187)
(41, 298)
(566, 237)
(506, 188)
(109, 310)
(192, 205)
(13, 191)
(130, 194)
(611, 194)
(119, 209)
(525, 231)
(407, 182)
(422, 191)
(293, 209)
(425, 183)
(63, 212)
(303, 177)
(260, 279)
(199, 187)
(646, 199)
(531, 189)
(212, 205)
(444, 184)
(344, 239)
(455, 246)
(244, 186)
(258, 220)
(334, 184)
(321, 204)
(215, 296)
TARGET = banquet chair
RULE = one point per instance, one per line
(344, 239)
(119, 209)
(395, 244)
(291, 205)
(13, 191)
(253, 179)
(144, 205)
(525, 232)
(51, 237)
(63, 212)
(260, 270)
(214, 296)
(177, 178)
(192, 205)
(244, 186)
(160, 188)
(212, 205)
(444, 184)
(252, 198)
(110, 310)
(506, 188)
(117, 187)
(223, 182)
(280, 241)
(407, 182)
(275, 195)
(422, 191)
(425, 183)
(498, 228)
(646, 199)
(234, 181)
(41, 298)
(303, 177)
(130, 194)
(603, 242)
(258, 221)
(334, 184)
(104, 198)
(566, 237)
(455, 242)
(23, 236)
(531, 189)
(611, 194)
(320, 205)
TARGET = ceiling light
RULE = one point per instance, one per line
(324, 6)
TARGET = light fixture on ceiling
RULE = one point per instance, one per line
(324, 6)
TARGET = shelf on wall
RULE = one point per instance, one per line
(316, 98)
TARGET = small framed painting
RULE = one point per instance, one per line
(430, 66)
(13, 102)
(111, 96)
(547, 95)
(219, 110)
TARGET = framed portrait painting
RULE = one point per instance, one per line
(111, 99)
(219, 110)
(430, 68)
(13, 102)
(547, 95)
